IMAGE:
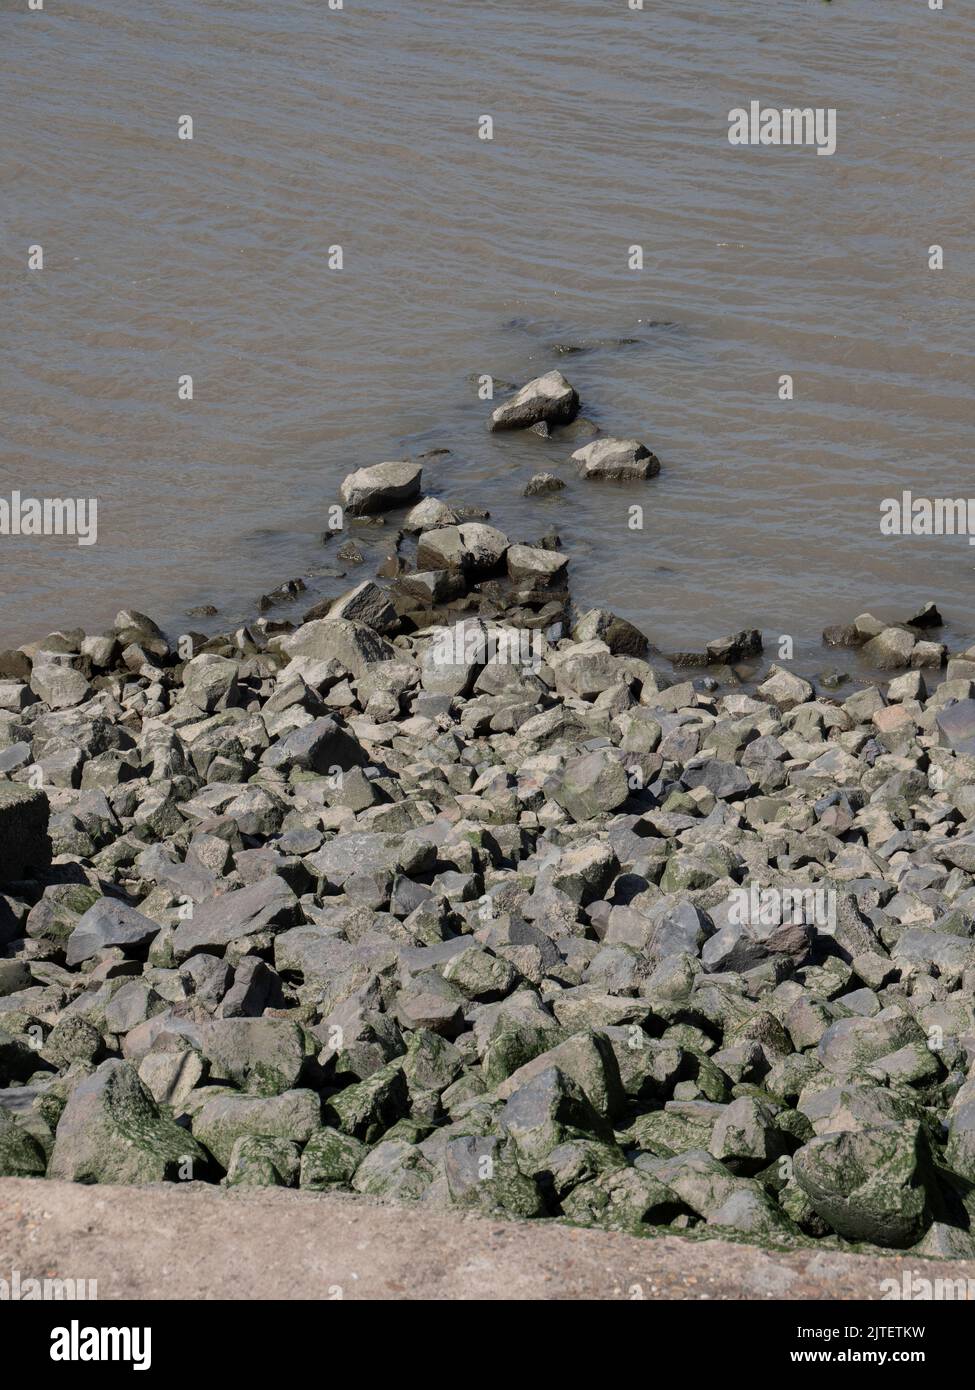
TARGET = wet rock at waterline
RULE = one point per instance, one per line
(617, 459)
(381, 487)
(548, 399)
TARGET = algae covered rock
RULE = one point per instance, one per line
(437, 895)
(546, 1111)
(866, 1185)
(330, 1159)
(394, 1168)
(263, 1056)
(482, 1174)
(21, 1156)
(367, 1109)
(111, 1130)
(623, 1201)
(262, 1160)
(220, 1122)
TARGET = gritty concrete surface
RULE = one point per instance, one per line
(196, 1242)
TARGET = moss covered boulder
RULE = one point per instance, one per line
(21, 1156)
(220, 1122)
(111, 1130)
(866, 1185)
(262, 1160)
(330, 1159)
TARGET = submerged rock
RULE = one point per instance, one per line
(549, 399)
(543, 484)
(619, 459)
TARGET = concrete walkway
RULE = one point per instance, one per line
(196, 1241)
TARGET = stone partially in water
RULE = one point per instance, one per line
(549, 399)
(618, 459)
(542, 485)
(381, 487)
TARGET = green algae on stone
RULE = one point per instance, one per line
(263, 1160)
(59, 910)
(369, 1108)
(431, 1062)
(394, 1168)
(587, 1058)
(483, 1174)
(21, 1156)
(263, 1056)
(111, 1130)
(512, 1047)
(73, 1039)
(329, 1159)
(221, 1121)
(578, 1161)
(866, 1185)
(664, 1132)
(622, 1200)
(546, 1111)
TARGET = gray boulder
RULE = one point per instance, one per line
(956, 724)
(210, 682)
(549, 399)
(110, 923)
(543, 566)
(219, 1123)
(318, 747)
(594, 784)
(618, 459)
(472, 548)
(267, 903)
(622, 638)
(381, 487)
(354, 645)
(890, 649)
(58, 685)
(368, 604)
(264, 1056)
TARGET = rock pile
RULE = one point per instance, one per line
(447, 895)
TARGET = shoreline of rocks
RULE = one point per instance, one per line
(445, 894)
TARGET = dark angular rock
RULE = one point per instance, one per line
(25, 845)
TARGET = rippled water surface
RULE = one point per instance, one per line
(358, 127)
